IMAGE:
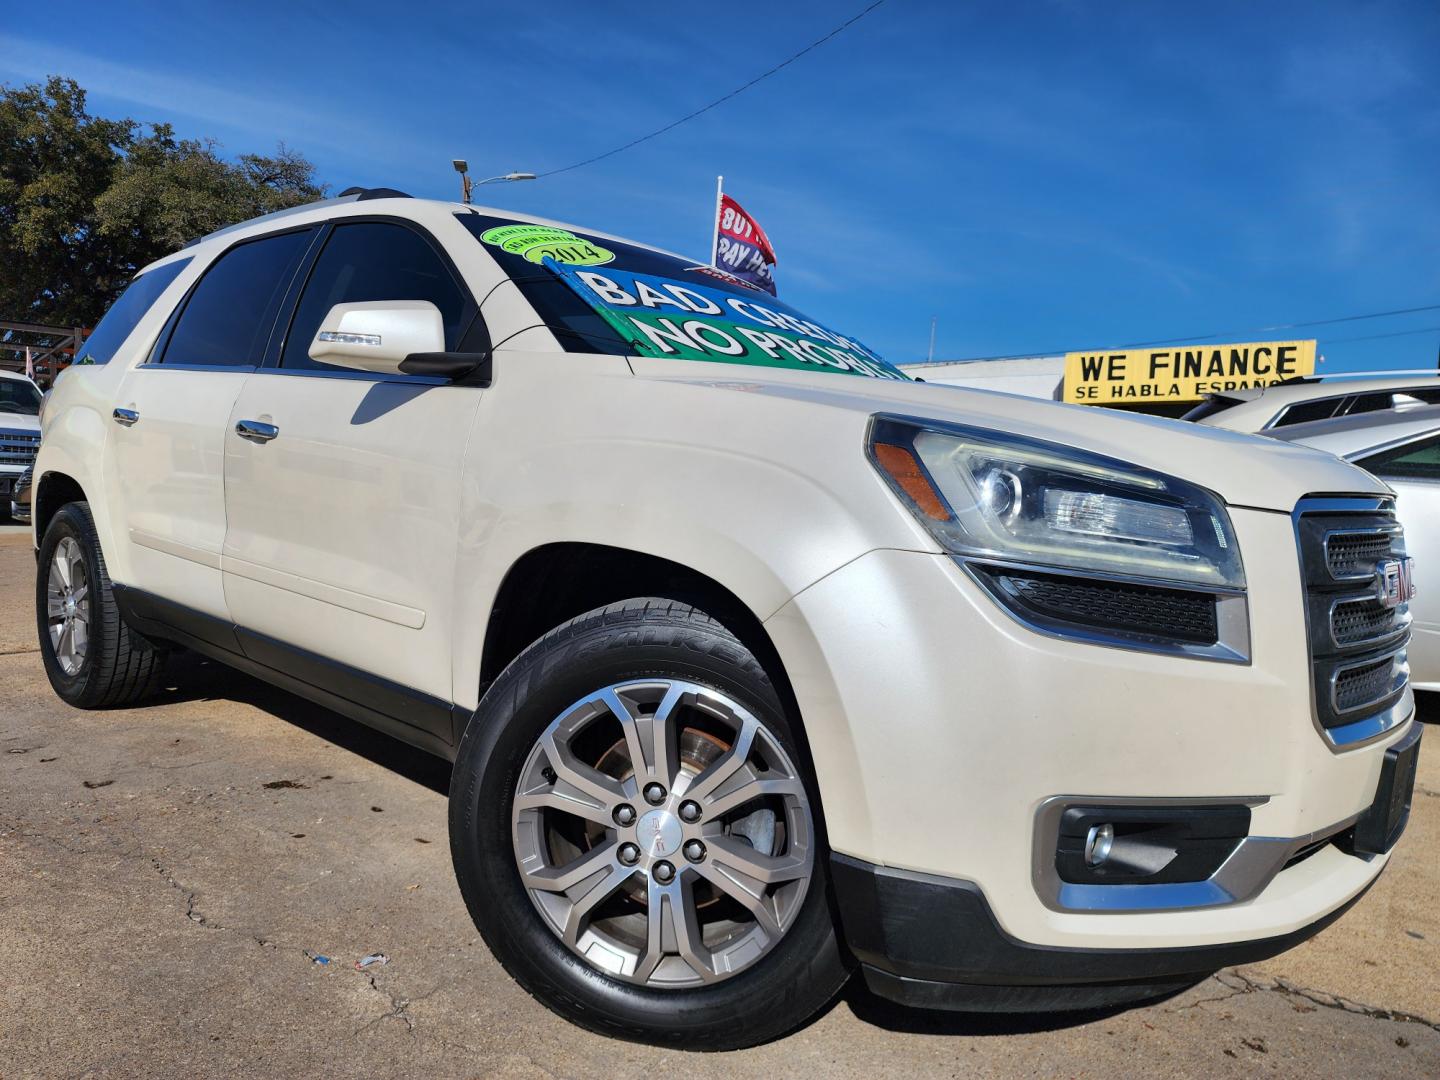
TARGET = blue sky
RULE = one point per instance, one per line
(1039, 176)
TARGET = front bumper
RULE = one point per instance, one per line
(933, 942)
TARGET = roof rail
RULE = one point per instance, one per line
(353, 194)
(365, 193)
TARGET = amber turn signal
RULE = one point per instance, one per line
(905, 470)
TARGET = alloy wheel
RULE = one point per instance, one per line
(68, 605)
(663, 833)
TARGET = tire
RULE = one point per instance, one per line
(642, 645)
(117, 666)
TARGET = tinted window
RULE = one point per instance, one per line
(228, 318)
(19, 396)
(372, 260)
(1306, 411)
(1414, 461)
(127, 312)
(1364, 403)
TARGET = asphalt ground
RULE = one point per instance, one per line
(172, 875)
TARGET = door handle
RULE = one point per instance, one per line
(125, 416)
(255, 431)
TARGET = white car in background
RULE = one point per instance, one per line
(1403, 449)
(19, 432)
(1301, 401)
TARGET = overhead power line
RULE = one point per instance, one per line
(1377, 337)
(718, 101)
(1283, 326)
(1243, 330)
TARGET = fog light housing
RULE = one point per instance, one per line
(1098, 842)
(1146, 844)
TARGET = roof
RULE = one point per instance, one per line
(382, 201)
(1363, 433)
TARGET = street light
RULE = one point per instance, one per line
(467, 185)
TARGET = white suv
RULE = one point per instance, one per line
(758, 662)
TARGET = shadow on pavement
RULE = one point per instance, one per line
(190, 677)
(881, 1013)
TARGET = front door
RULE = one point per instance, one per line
(343, 512)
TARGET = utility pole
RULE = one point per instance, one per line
(715, 230)
(463, 168)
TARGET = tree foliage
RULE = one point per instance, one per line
(85, 201)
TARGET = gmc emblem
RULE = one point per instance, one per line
(1396, 581)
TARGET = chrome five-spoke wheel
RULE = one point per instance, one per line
(663, 833)
(68, 605)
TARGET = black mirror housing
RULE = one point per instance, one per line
(468, 367)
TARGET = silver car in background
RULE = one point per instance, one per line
(1260, 410)
(1401, 447)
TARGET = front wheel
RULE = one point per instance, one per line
(635, 838)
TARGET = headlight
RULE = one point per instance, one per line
(998, 497)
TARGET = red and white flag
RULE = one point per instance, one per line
(741, 247)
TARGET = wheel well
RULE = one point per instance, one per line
(52, 492)
(551, 584)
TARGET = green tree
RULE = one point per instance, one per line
(85, 201)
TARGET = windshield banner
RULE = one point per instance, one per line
(662, 317)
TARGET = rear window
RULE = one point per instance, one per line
(230, 313)
(125, 314)
(601, 295)
(1306, 411)
(1414, 461)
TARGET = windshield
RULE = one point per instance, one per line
(19, 396)
(603, 295)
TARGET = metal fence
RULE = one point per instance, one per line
(38, 350)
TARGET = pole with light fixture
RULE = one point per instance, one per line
(467, 185)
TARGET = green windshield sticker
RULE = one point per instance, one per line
(539, 242)
(662, 317)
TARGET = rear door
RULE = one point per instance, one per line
(169, 440)
(340, 549)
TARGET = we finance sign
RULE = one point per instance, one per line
(1181, 373)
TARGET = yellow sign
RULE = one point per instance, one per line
(1181, 373)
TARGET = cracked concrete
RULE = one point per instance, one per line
(167, 921)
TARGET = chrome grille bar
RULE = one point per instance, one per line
(1357, 643)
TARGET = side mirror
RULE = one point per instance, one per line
(378, 335)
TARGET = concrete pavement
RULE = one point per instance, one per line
(172, 875)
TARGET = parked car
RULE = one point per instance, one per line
(1403, 449)
(20, 497)
(1299, 401)
(755, 659)
(19, 430)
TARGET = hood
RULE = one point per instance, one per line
(1244, 470)
(21, 422)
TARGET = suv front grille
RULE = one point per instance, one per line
(18, 447)
(1358, 686)
(1357, 622)
(1357, 644)
(1352, 555)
